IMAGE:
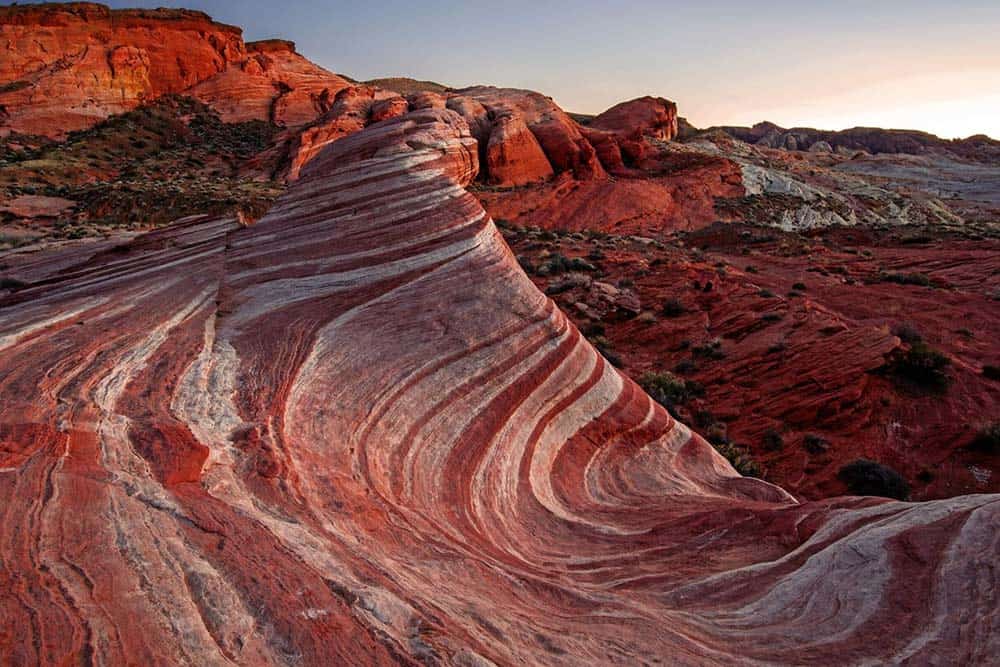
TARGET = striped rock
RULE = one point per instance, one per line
(355, 433)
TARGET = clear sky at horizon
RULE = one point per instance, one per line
(924, 65)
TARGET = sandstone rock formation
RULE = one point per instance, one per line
(542, 168)
(356, 433)
(67, 66)
(272, 83)
(645, 116)
(524, 136)
(352, 110)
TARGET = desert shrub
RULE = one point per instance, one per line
(920, 279)
(815, 444)
(922, 366)
(686, 366)
(672, 308)
(991, 372)
(766, 294)
(801, 287)
(771, 317)
(908, 333)
(739, 458)
(987, 439)
(668, 389)
(605, 347)
(772, 440)
(526, 264)
(752, 269)
(710, 349)
(704, 419)
(868, 478)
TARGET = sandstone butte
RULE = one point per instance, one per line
(540, 167)
(356, 433)
(67, 66)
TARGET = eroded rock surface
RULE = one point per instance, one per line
(356, 433)
(273, 83)
(68, 66)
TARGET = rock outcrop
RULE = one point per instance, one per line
(68, 66)
(353, 109)
(273, 83)
(781, 344)
(542, 168)
(524, 136)
(642, 117)
(356, 433)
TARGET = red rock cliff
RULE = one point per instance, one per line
(67, 66)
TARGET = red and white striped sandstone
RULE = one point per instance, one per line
(355, 433)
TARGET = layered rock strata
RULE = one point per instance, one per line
(355, 433)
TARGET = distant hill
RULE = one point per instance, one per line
(406, 86)
(870, 139)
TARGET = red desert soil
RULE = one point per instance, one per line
(790, 338)
(355, 432)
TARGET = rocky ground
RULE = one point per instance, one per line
(132, 172)
(791, 351)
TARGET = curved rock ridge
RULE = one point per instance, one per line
(355, 433)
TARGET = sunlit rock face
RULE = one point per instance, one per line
(273, 83)
(644, 116)
(66, 67)
(355, 433)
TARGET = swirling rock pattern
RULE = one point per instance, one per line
(355, 433)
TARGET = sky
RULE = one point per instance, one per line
(932, 66)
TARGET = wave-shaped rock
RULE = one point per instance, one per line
(355, 433)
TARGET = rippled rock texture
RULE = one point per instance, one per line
(355, 433)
